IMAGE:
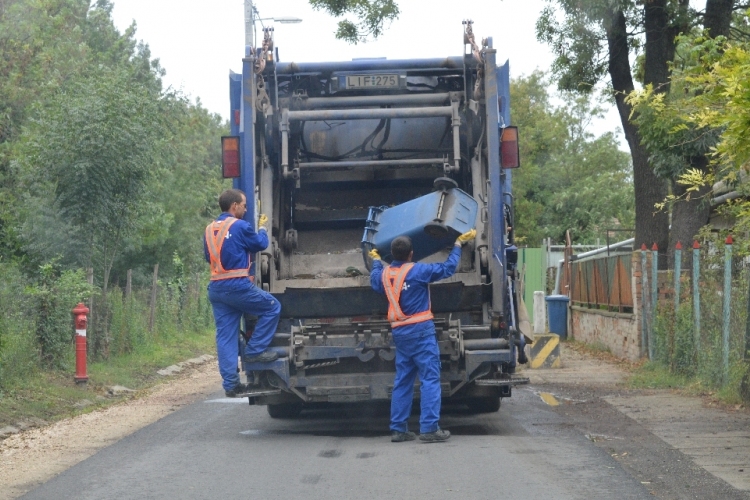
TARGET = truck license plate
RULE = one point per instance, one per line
(371, 81)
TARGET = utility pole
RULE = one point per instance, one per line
(249, 28)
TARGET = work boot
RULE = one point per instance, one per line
(400, 437)
(264, 357)
(522, 359)
(238, 389)
(435, 437)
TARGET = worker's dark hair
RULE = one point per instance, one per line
(228, 197)
(401, 248)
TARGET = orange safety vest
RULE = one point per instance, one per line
(393, 282)
(216, 232)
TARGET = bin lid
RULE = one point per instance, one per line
(556, 298)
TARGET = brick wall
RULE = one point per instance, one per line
(619, 332)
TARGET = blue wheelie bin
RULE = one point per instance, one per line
(433, 222)
(557, 312)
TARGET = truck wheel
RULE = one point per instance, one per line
(489, 404)
(285, 410)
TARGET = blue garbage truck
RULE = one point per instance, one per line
(324, 150)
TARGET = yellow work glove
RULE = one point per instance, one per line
(467, 236)
(262, 221)
(374, 255)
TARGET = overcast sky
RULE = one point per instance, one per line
(199, 42)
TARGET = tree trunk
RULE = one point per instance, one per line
(718, 17)
(659, 45)
(650, 226)
(688, 216)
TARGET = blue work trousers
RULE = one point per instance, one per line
(229, 303)
(416, 353)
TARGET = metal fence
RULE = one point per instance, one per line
(603, 283)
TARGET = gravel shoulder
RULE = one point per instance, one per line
(34, 456)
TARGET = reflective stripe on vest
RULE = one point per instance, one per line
(216, 232)
(393, 282)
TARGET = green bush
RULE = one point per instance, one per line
(19, 355)
(53, 297)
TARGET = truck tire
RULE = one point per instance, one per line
(284, 410)
(488, 404)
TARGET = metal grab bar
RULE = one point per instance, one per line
(372, 163)
(307, 103)
(372, 113)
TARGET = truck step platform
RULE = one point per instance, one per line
(501, 382)
(259, 392)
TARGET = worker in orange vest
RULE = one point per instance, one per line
(406, 285)
(227, 243)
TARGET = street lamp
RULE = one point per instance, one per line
(282, 20)
(251, 15)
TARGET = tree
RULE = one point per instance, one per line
(181, 195)
(93, 147)
(596, 38)
(45, 45)
(371, 17)
(710, 114)
(569, 179)
(36, 59)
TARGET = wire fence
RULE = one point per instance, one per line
(695, 315)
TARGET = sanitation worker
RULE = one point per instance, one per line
(406, 285)
(227, 243)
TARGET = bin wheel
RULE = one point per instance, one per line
(436, 230)
(284, 410)
(489, 404)
(444, 183)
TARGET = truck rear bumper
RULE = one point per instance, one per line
(352, 387)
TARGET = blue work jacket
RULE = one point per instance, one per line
(415, 295)
(241, 240)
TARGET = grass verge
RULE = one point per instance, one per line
(47, 396)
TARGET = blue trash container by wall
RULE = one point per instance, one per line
(557, 312)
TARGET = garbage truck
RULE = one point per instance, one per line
(326, 150)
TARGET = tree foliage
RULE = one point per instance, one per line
(371, 17)
(593, 35)
(570, 179)
(99, 166)
(92, 145)
(710, 116)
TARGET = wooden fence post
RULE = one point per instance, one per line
(152, 317)
(128, 284)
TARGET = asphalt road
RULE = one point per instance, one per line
(223, 448)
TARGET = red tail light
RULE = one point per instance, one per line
(509, 156)
(230, 156)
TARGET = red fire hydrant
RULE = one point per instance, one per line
(79, 314)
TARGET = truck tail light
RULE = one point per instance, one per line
(230, 156)
(509, 157)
